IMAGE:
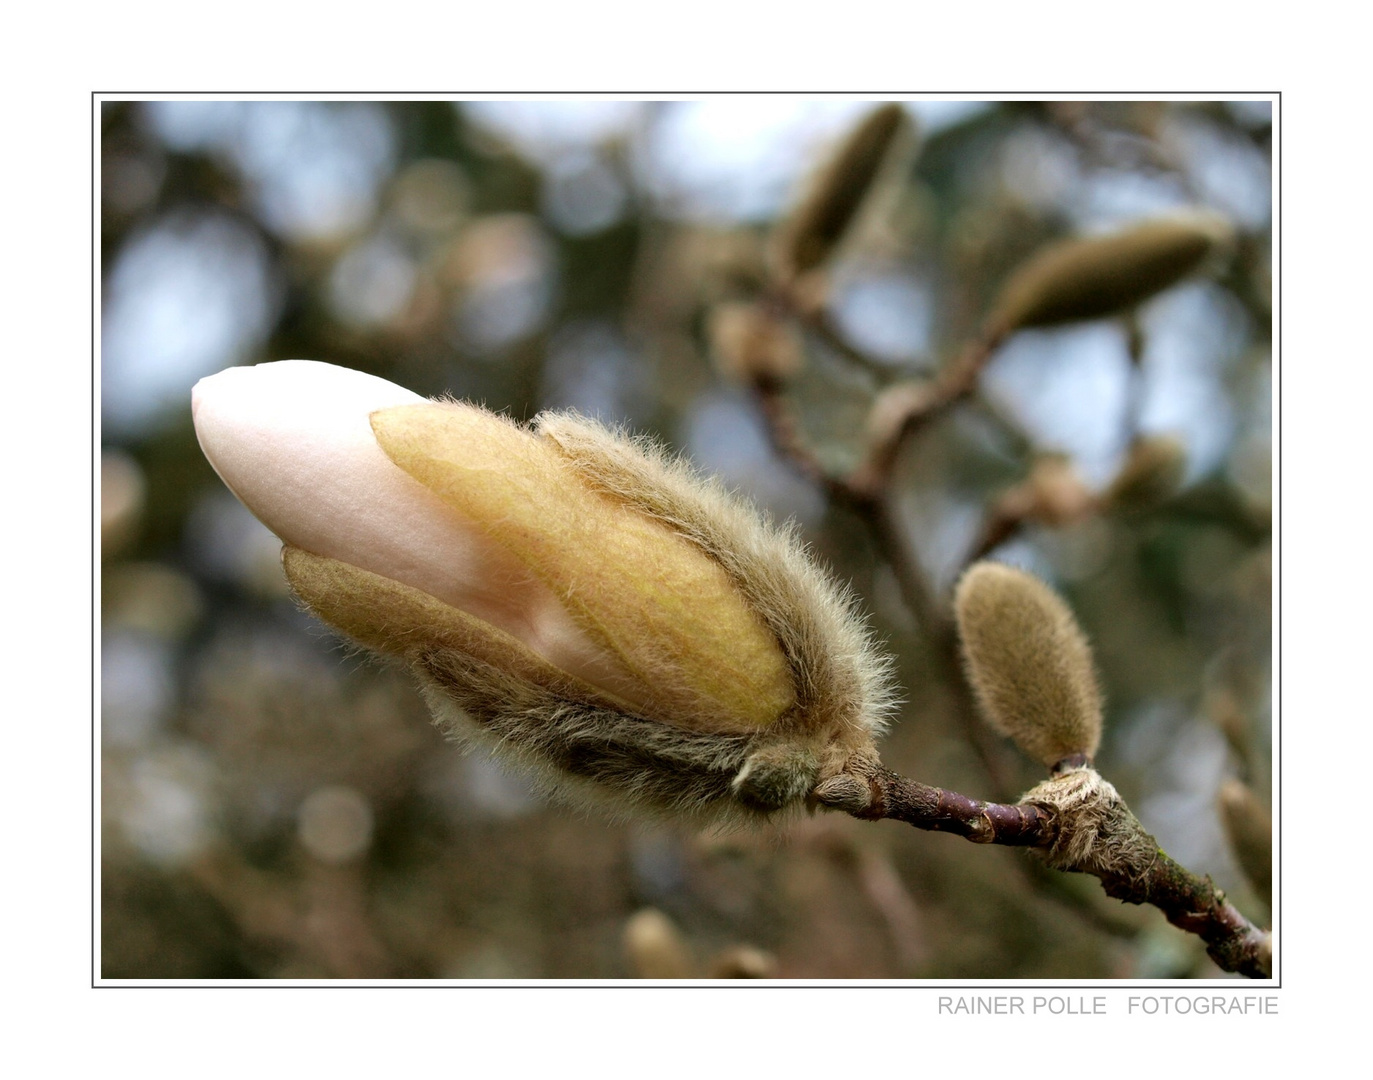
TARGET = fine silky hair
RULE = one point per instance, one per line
(1028, 662)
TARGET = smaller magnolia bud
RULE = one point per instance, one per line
(1029, 663)
(1224, 710)
(751, 344)
(1250, 830)
(1098, 276)
(840, 189)
(1152, 471)
(655, 948)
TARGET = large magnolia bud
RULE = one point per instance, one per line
(570, 597)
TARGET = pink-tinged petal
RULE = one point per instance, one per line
(292, 440)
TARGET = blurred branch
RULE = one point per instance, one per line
(320, 918)
(817, 319)
(922, 404)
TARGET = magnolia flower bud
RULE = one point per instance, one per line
(1153, 470)
(1250, 830)
(656, 948)
(1097, 276)
(841, 188)
(1028, 662)
(1056, 492)
(569, 597)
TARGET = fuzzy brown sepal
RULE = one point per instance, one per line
(1095, 831)
(574, 741)
(582, 753)
(843, 685)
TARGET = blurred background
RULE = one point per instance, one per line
(275, 808)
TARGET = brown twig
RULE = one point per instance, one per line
(318, 917)
(1195, 905)
(871, 503)
(1007, 517)
(1080, 825)
(900, 799)
(893, 542)
(893, 901)
(1192, 903)
(866, 856)
(931, 400)
(922, 402)
(1052, 494)
(1137, 345)
(784, 432)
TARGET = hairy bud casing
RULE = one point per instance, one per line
(1098, 276)
(609, 620)
(1028, 662)
(1095, 830)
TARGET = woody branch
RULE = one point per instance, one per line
(1190, 902)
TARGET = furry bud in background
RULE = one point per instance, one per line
(753, 345)
(1250, 831)
(841, 188)
(1028, 663)
(1152, 471)
(655, 948)
(1099, 276)
(575, 600)
(1053, 493)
